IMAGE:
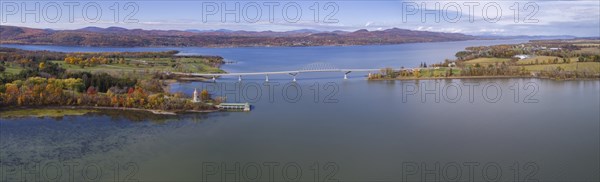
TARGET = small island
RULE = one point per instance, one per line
(136, 81)
(552, 59)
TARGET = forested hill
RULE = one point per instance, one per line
(116, 36)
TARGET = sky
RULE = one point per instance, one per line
(504, 17)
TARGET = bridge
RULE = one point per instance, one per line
(311, 68)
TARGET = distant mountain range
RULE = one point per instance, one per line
(117, 36)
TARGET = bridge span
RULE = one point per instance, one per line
(266, 74)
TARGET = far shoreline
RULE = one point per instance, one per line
(259, 46)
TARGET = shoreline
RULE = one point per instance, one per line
(476, 77)
(153, 111)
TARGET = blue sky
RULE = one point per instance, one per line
(579, 18)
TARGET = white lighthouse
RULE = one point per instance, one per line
(195, 98)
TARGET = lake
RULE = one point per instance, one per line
(325, 128)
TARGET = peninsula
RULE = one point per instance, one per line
(555, 59)
(110, 80)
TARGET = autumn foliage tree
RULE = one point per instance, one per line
(204, 95)
(79, 60)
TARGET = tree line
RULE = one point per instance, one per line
(38, 91)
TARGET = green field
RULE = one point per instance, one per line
(573, 66)
(486, 61)
(141, 68)
(13, 70)
(541, 59)
(147, 66)
(587, 45)
(589, 50)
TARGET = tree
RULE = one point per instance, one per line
(24, 62)
(204, 95)
(54, 93)
(12, 92)
(73, 83)
(42, 65)
(596, 58)
(130, 91)
(388, 72)
(2, 68)
(156, 101)
(114, 101)
(91, 90)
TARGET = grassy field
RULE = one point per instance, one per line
(587, 45)
(147, 66)
(589, 50)
(541, 59)
(13, 70)
(43, 113)
(573, 66)
(139, 68)
(486, 61)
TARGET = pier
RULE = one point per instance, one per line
(235, 106)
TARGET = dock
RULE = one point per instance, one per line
(235, 106)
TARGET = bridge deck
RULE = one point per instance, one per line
(276, 72)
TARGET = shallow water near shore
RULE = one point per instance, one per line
(323, 127)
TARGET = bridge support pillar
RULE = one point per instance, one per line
(293, 76)
(266, 78)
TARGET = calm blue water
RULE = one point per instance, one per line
(293, 58)
(324, 127)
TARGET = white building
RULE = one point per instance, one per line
(554, 48)
(521, 56)
(196, 98)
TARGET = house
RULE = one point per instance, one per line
(521, 56)
(452, 64)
